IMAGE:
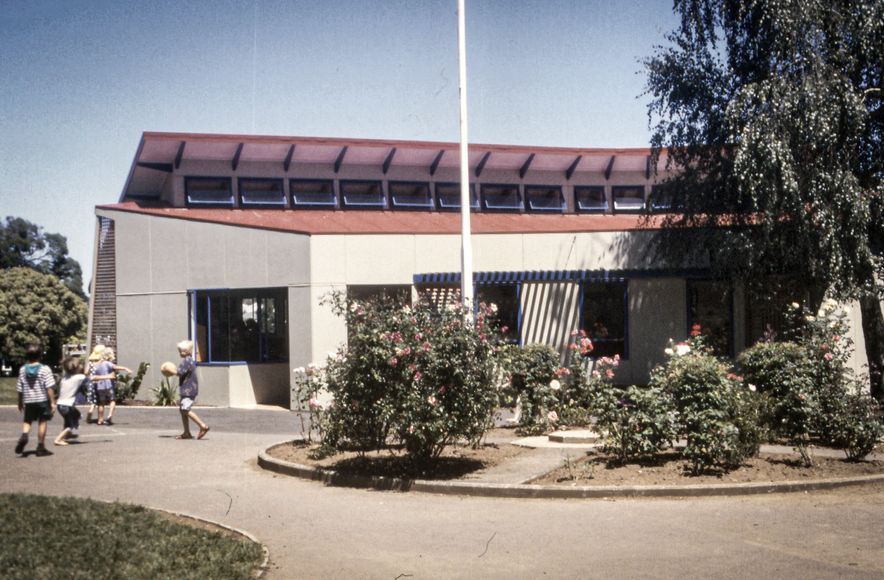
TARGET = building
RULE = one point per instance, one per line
(234, 240)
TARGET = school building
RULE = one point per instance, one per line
(233, 241)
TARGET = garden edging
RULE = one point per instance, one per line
(527, 490)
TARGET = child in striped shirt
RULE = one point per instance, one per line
(36, 399)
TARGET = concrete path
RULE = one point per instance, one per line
(313, 531)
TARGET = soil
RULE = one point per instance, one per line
(584, 468)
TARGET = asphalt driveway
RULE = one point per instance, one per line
(317, 532)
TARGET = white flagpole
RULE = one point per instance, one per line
(466, 249)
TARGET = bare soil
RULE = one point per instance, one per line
(583, 467)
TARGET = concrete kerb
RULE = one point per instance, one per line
(527, 490)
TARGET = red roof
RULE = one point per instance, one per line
(324, 222)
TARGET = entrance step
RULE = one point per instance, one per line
(578, 436)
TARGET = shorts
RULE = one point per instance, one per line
(105, 396)
(185, 404)
(38, 412)
(71, 416)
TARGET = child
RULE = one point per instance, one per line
(188, 389)
(73, 381)
(103, 376)
(109, 356)
(36, 399)
(91, 396)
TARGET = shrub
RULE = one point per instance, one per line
(416, 376)
(310, 384)
(165, 394)
(714, 411)
(634, 421)
(856, 428)
(127, 385)
(533, 384)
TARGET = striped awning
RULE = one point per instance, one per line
(554, 276)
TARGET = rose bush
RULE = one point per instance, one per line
(416, 376)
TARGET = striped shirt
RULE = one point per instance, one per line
(33, 390)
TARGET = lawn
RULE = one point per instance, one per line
(8, 395)
(49, 537)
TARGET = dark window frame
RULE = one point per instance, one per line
(578, 189)
(258, 204)
(514, 208)
(430, 202)
(632, 208)
(547, 188)
(188, 180)
(381, 203)
(691, 319)
(596, 341)
(516, 332)
(440, 204)
(313, 204)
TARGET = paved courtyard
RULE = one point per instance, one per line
(317, 532)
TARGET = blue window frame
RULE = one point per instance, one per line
(544, 198)
(410, 195)
(629, 198)
(509, 312)
(590, 199)
(358, 194)
(604, 317)
(261, 193)
(240, 326)
(448, 196)
(208, 191)
(501, 197)
(313, 193)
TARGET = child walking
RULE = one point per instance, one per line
(91, 394)
(110, 357)
(36, 399)
(73, 381)
(188, 389)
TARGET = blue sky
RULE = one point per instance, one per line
(80, 81)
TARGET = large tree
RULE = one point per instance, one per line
(24, 244)
(770, 113)
(37, 308)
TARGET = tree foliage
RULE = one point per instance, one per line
(24, 244)
(771, 113)
(37, 308)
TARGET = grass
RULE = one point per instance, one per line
(8, 396)
(49, 537)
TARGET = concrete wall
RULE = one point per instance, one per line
(160, 259)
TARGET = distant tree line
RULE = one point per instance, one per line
(41, 291)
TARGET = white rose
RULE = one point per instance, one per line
(555, 385)
(668, 352)
(682, 349)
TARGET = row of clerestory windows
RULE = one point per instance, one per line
(413, 195)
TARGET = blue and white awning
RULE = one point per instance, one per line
(554, 276)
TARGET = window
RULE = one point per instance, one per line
(410, 195)
(501, 197)
(208, 191)
(261, 192)
(628, 199)
(661, 199)
(362, 195)
(590, 199)
(603, 316)
(766, 311)
(506, 298)
(241, 325)
(709, 305)
(544, 198)
(319, 193)
(448, 196)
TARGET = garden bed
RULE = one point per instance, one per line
(584, 468)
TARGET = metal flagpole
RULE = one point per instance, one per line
(466, 249)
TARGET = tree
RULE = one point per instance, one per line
(771, 115)
(24, 244)
(37, 308)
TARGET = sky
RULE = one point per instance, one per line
(81, 80)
